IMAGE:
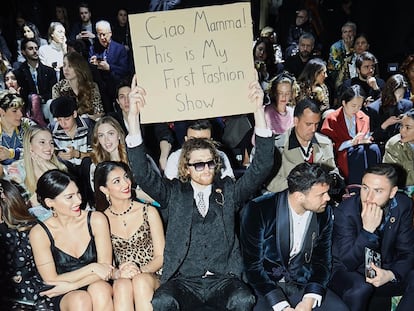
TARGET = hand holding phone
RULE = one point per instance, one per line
(374, 257)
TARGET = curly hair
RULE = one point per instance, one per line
(197, 144)
(10, 100)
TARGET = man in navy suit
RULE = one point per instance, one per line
(286, 244)
(112, 61)
(381, 219)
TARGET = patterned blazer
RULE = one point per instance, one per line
(177, 203)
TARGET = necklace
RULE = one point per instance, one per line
(121, 214)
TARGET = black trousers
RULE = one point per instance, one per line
(294, 295)
(357, 293)
(197, 293)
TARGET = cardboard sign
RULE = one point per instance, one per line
(194, 63)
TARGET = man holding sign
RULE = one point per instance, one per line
(202, 260)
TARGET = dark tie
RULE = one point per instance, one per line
(201, 205)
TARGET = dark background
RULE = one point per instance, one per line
(389, 24)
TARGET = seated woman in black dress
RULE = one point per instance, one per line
(72, 250)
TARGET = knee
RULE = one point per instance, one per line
(360, 292)
(241, 299)
(101, 293)
(142, 281)
(76, 300)
(164, 301)
(122, 287)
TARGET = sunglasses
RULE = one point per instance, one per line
(199, 166)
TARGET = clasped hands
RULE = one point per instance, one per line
(128, 270)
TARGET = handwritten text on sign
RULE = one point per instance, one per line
(194, 63)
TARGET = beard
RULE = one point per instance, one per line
(305, 54)
(386, 206)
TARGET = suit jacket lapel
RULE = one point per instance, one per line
(283, 227)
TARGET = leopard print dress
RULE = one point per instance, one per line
(138, 248)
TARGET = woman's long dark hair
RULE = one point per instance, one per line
(100, 179)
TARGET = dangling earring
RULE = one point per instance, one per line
(54, 214)
(108, 199)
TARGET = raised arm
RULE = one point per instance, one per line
(254, 177)
(149, 180)
(136, 103)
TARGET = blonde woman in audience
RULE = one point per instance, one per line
(52, 54)
(78, 83)
(72, 250)
(279, 114)
(39, 157)
(137, 237)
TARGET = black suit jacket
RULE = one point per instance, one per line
(46, 78)
(265, 240)
(397, 245)
(177, 203)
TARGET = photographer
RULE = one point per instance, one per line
(112, 61)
